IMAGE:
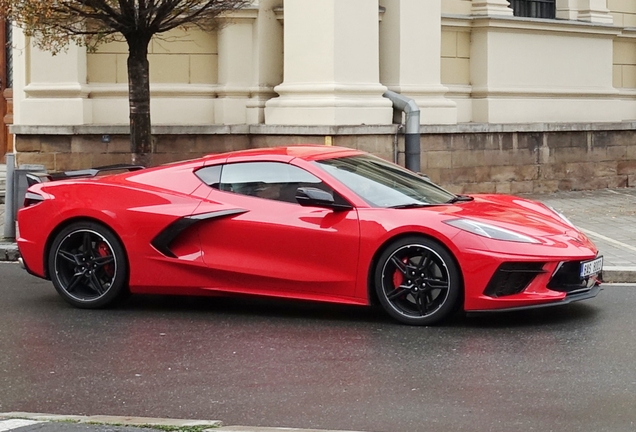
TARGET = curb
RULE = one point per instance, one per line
(8, 251)
(619, 274)
(215, 425)
(113, 420)
(269, 429)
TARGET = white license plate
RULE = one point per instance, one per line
(589, 268)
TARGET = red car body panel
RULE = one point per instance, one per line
(282, 249)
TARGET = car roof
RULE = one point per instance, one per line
(303, 151)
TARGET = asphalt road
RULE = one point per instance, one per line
(289, 364)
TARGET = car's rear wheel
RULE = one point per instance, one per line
(87, 265)
(417, 281)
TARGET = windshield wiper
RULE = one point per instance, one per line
(460, 198)
(409, 205)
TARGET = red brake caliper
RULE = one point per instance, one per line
(398, 276)
(104, 251)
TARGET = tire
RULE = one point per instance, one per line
(88, 266)
(417, 281)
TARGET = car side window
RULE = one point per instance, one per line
(270, 180)
(211, 175)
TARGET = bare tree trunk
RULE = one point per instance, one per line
(139, 98)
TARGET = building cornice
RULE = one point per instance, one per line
(504, 23)
(460, 128)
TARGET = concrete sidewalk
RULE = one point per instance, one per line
(151, 424)
(607, 216)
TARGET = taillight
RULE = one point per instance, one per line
(31, 198)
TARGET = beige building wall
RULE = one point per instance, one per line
(624, 54)
(456, 7)
(467, 61)
(179, 56)
(623, 12)
(625, 63)
(183, 73)
(542, 72)
(455, 65)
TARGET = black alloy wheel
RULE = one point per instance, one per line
(87, 265)
(417, 281)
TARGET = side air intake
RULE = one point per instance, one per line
(512, 278)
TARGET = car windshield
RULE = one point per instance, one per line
(383, 184)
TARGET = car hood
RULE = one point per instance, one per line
(514, 213)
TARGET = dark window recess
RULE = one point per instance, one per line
(534, 8)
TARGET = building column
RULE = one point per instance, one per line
(584, 10)
(235, 66)
(250, 63)
(567, 9)
(595, 11)
(491, 7)
(55, 91)
(268, 58)
(410, 49)
(331, 65)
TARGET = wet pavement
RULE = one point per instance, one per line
(295, 364)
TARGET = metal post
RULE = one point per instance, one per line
(9, 209)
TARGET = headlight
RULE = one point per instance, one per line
(490, 231)
(560, 215)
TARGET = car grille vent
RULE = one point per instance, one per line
(567, 279)
(512, 278)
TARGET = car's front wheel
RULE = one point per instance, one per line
(87, 265)
(417, 281)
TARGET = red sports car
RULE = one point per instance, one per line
(303, 222)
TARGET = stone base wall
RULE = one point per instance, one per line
(531, 162)
(463, 158)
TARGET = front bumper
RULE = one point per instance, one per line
(517, 285)
(593, 292)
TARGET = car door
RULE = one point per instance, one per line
(272, 245)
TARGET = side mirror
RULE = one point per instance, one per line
(314, 197)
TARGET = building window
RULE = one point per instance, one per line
(534, 8)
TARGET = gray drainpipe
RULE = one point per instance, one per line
(412, 128)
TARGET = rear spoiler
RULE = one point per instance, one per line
(34, 178)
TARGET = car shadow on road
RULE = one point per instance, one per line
(547, 316)
(248, 308)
